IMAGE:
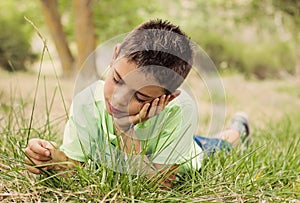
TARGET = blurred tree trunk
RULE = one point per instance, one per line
(86, 43)
(84, 34)
(52, 18)
(84, 30)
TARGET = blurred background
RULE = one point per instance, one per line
(253, 43)
(258, 38)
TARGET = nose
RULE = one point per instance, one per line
(121, 97)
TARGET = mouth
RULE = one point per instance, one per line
(115, 112)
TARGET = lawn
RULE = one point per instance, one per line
(268, 171)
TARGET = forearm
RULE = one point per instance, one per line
(61, 162)
(135, 156)
(161, 173)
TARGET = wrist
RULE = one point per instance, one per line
(130, 143)
(124, 130)
(129, 129)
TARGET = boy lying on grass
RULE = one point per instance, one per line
(137, 120)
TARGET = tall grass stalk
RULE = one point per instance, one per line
(267, 171)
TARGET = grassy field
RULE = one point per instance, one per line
(268, 171)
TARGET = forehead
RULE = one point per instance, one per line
(124, 67)
(131, 74)
(134, 77)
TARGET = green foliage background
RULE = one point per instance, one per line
(257, 38)
(15, 35)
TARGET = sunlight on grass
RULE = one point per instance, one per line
(267, 170)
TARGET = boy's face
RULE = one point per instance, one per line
(127, 90)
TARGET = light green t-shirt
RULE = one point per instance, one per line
(166, 138)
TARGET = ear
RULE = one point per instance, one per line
(116, 51)
(173, 95)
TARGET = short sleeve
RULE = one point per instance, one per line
(81, 130)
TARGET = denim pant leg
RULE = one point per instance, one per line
(211, 145)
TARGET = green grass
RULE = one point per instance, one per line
(268, 170)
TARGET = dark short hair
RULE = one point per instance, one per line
(161, 44)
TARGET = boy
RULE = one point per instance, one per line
(138, 121)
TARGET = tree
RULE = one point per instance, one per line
(110, 17)
(84, 34)
(52, 18)
(84, 31)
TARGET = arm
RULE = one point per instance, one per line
(163, 174)
(42, 152)
(76, 138)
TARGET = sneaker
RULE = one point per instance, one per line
(240, 123)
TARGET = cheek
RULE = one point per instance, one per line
(135, 107)
(108, 85)
(108, 89)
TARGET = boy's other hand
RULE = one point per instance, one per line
(148, 111)
(38, 153)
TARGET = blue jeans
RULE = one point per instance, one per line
(211, 145)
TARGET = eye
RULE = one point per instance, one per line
(138, 99)
(117, 80)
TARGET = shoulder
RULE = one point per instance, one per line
(85, 101)
(184, 104)
(90, 94)
(178, 114)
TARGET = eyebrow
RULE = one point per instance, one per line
(137, 92)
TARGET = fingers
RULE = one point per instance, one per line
(167, 101)
(49, 145)
(143, 113)
(158, 105)
(147, 111)
(38, 165)
(39, 146)
(163, 102)
(33, 169)
(41, 157)
(153, 108)
(38, 153)
(32, 161)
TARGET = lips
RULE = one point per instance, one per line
(115, 111)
